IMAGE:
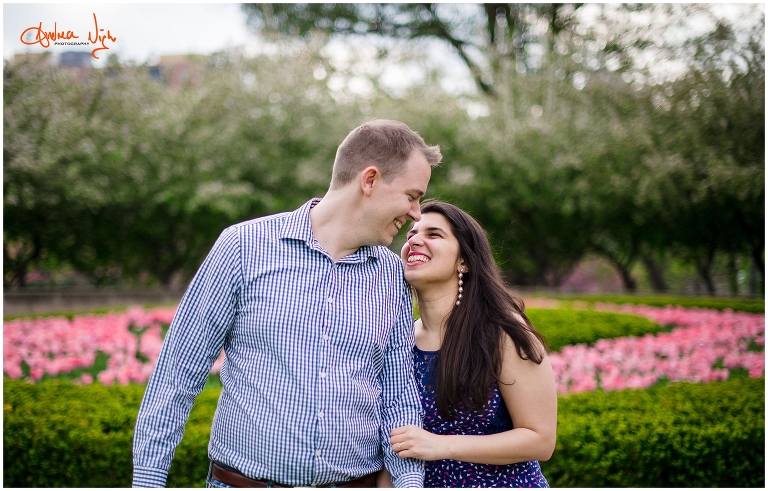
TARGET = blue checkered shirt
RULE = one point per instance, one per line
(317, 367)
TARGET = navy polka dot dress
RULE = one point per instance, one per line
(493, 419)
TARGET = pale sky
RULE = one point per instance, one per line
(145, 31)
(142, 31)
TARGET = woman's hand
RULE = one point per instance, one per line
(415, 443)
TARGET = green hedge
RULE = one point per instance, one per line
(679, 435)
(60, 435)
(717, 303)
(56, 434)
(562, 327)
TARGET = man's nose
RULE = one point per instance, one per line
(415, 212)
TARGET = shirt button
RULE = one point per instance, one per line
(330, 300)
(326, 337)
(322, 374)
(318, 453)
(320, 415)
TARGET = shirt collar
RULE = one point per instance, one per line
(299, 226)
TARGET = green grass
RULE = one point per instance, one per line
(718, 303)
(565, 326)
(735, 304)
(562, 327)
(69, 314)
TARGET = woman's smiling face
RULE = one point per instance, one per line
(431, 252)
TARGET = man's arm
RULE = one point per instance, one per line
(400, 397)
(193, 343)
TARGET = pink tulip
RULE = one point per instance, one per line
(12, 370)
(106, 377)
(36, 373)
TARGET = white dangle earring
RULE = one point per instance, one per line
(461, 289)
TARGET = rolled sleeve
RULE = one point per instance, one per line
(400, 396)
(146, 477)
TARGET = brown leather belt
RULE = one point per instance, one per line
(241, 481)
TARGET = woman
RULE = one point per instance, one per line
(485, 380)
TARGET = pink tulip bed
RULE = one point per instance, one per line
(705, 345)
(53, 346)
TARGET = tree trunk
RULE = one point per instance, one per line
(753, 278)
(624, 267)
(20, 265)
(733, 275)
(21, 274)
(704, 268)
(757, 261)
(655, 274)
(630, 285)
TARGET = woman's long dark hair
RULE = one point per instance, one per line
(470, 357)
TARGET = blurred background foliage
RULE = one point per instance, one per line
(586, 131)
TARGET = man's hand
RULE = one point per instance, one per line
(415, 443)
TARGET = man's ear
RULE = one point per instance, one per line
(368, 179)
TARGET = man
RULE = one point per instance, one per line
(315, 321)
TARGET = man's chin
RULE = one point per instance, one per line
(381, 241)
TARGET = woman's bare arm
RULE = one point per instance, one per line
(529, 393)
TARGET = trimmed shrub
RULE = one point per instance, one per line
(562, 327)
(756, 306)
(57, 434)
(679, 435)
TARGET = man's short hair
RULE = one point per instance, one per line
(384, 143)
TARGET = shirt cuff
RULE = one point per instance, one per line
(410, 480)
(148, 477)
